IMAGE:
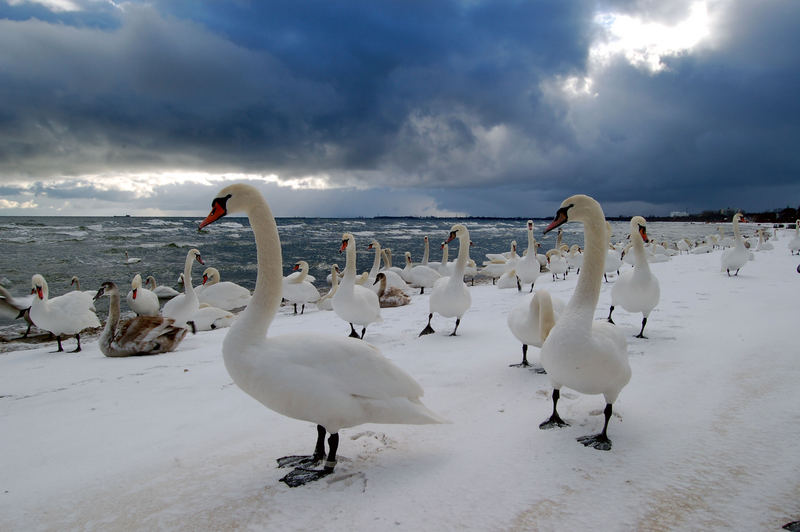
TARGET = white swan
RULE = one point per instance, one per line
(393, 280)
(181, 309)
(131, 260)
(737, 256)
(390, 296)
(70, 313)
(637, 290)
(141, 335)
(425, 253)
(352, 302)
(575, 258)
(331, 381)
(419, 275)
(141, 300)
(326, 302)
(763, 243)
(531, 321)
(297, 290)
(387, 259)
(161, 291)
(528, 268)
(580, 353)
(450, 297)
(794, 243)
(222, 294)
(208, 318)
(15, 307)
(557, 264)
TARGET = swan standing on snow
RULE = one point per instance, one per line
(161, 291)
(419, 275)
(450, 296)
(763, 243)
(330, 381)
(794, 243)
(222, 294)
(390, 296)
(557, 264)
(531, 321)
(737, 256)
(580, 353)
(637, 290)
(141, 300)
(352, 302)
(528, 267)
(393, 280)
(67, 314)
(297, 290)
(181, 308)
(142, 335)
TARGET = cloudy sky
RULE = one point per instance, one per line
(406, 107)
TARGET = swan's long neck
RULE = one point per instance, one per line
(445, 254)
(349, 277)
(531, 243)
(587, 292)
(547, 318)
(463, 258)
(640, 262)
(254, 321)
(376, 263)
(188, 289)
(425, 254)
(112, 321)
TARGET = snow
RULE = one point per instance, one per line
(704, 435)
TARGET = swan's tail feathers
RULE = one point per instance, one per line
(402, 411)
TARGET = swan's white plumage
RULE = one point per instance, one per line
(142, 301)
(450, 296)
(298, 290)
(181, 309)
(528, 267)
(331, 381)
(738, 255)
(531, 320)
(224, 295)
(160, 290)
(66, 314)
(352, 302)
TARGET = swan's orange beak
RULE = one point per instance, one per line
(344, 246)
(217, 212)
(205, 278)
(451, 237)
(296, 267)
(199, 259)
(39, 292)
(643, 232)
(560, 219)
(134, 294)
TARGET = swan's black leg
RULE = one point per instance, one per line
(428, 329)
(295, 307)
(458, 321)
(191, 324)
(301, 475)
(737, 272)
(421, 290)
(306, 460)
(605, 277)
(60, 348)
(729, 272)
(641, 333)
(353, 333)
(77, 349)
(531, 290)
(524, 363)
(599, 441)
(609, 314)
(303, 309)
(519, 286)
(363, 330)
(555, 420)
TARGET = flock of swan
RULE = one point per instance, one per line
(337, 382)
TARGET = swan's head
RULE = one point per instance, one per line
(39, 286)
(530, 225)
(514, 245)
(408, 257)
(108, 288)
(444, 245)
(196, 254)
(458, 231)
(150, 281)
(211, 274)
(374, 244)
(238, 197)
(136, 284)
(347, 241)
(381, 277)
(577, 208)
(300, 265)
(639, 225)
(738, 217)
(74, 280)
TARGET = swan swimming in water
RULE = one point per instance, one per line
(323, 379)
(583, 354)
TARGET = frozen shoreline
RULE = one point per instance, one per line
(704, 434)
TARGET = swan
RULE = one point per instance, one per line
(445, 267)
(387, 259)
(141, 300)
(737, 256)
(131, 260)
(181, 309)
(558, 264)
(298, 290)
(637, 290)
(330, 381)
(222, 294)
(794, 243)
(393, 280)
(763, 243)
(161, 291)
(683, 245)
(509, 279)
(209, 318)
(390, 296)
(66, 314)
(326, 301)
(450, 296)
(528, 267)
(425, 262)
(580, 353)
(531, 321)
(16, 307)
(352, 302)
(419, 275)
(575, 258)
(141, 335)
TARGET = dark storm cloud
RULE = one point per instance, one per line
(446, 97)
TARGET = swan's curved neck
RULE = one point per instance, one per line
(112, 321)
(349, 277)
(188, 289)
(445, 254)
(547, 318)
(376, 263)
(587, 291)
(736, 233)
(640, 262)
(463, 258)
(425, 254)
(531, 243)
(254, 321)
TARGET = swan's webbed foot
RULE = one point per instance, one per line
(428, 329)
(538, 369)
(353, 333)
(554, 421)
(641, 332)
(458, 322)
(301, 476)
(298, 461)
(598, 441)
(523, 364)
(794, 526)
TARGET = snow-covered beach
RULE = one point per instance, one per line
(704, 434)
